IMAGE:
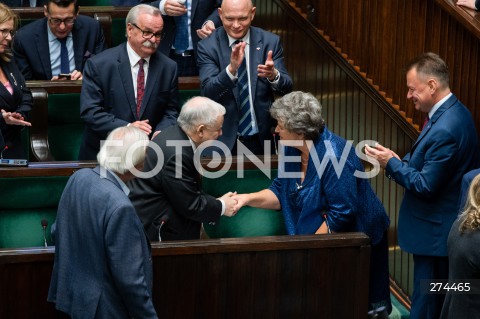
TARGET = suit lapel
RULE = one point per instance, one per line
(126, 77)
(256, 50)
(153, 79)
(41, 37)
(77, 46)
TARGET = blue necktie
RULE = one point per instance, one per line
(64, 62)
(181, 34)
(245, 123)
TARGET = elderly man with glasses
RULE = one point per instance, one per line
(57, 46)
(131, 84)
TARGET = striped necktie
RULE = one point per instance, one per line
(245, 123)
(181, 33)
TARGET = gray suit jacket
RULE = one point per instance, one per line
(103, 265)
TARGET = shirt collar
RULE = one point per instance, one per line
(133, 57)
(246, 39)
(122, 184)
(438, 104)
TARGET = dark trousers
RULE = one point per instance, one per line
(427, 268)
(379, 286)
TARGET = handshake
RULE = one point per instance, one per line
(233, 203)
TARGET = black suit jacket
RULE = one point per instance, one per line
(202, 10)
(32, 53)
(178, 200)
(107, 100)
(20, 101)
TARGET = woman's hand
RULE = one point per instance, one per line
(14, 118)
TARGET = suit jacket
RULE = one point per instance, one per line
(431, 174)
(103, 266)
(19, 3)
(202, 10)
(34, 60)
(179, 201)
(213, 58)
(20, 101)
(107, 99)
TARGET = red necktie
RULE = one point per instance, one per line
(140, 86)
(425, 122)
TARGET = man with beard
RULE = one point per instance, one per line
(131, 84)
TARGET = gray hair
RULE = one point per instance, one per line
(129, 153)
(199, 110)
(134, 12)
(430, 65)
(300, 113)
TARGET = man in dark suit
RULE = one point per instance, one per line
(131, 84)
(219, 60)
(24, 3)
(103, 266)
(186, 23)
(62, 30)
(169, 199)
(431, 175)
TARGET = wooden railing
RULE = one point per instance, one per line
(380, 37)
(258, 277)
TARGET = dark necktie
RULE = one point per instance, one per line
(245, 123)
(64, 62)
(181, 33)
(140, 86)
(425, 122)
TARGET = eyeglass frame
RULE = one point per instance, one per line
(6, 32)
(58, 21)
(158, 35)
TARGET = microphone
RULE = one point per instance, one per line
(4, 149)
(274, 134)
(44, 226)
(164, 220)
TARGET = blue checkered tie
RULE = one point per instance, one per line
(245, 123)
(181, 34)
(64, 61)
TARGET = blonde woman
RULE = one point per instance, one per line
(464, 260)
(15, 98)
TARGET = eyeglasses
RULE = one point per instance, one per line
(57, 21)
(6, 32)
(150, 34)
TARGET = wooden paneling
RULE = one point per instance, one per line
(258, 277)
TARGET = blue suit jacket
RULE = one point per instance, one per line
(213, 58)
(202, 10)
(34, 60)
(107, 100)
(431, 175)
(103, 266)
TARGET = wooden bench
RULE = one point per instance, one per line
(57, 128)
(316, 276)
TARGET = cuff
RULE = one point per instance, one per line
(223, 206)
(161, 6)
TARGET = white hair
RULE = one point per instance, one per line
(123, 149)
(199, 110)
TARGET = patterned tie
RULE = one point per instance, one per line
(64, 61)
(245, 123)
(425, 122)
(140, 85)
(181, 34)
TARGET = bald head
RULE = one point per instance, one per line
(237, 16)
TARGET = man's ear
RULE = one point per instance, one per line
(432, 85)
(201, 130)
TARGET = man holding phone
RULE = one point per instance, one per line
(65, 40)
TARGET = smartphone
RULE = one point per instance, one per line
(63, 75)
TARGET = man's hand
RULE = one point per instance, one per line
(206, 29)
(14, 118)
(381, 154)
(143, 125)
(174, 8)
(76, 75)
(236, 58)
(230, 204)
(267, 70)
(467, 3)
